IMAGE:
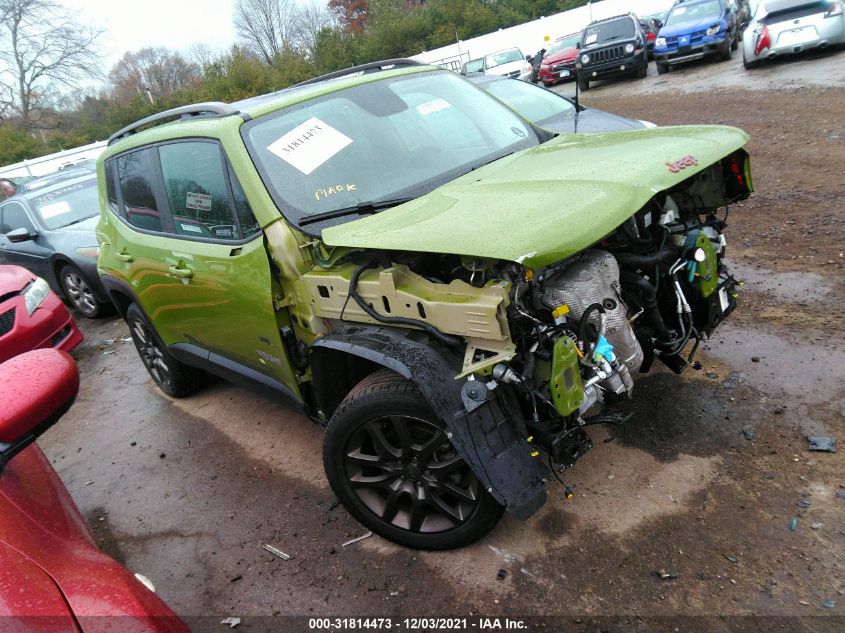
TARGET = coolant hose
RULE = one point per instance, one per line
(641, 286)
(582, 328)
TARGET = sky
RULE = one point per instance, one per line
(130, 24)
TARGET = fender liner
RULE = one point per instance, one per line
(487, 438)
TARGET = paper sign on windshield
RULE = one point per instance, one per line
(430, 107)
(56, 208)
(309, 145)
(591, 38)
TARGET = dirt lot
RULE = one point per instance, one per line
(704, 483)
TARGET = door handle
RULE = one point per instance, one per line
(124, 257)
(181, 273)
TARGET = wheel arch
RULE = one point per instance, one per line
(119, 293)
(486, 437)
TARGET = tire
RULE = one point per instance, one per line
(662, 69)
(172, 376)
(78, 291)
(389, 461)
(642, 73)
(749, 65)
(727, 51)
(735, 41)
(583, 85)
(548, 84)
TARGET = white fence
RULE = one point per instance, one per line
(530, 37)
(52, 162)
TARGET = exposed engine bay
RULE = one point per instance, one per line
(564, 342)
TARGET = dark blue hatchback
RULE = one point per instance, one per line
(695, 29)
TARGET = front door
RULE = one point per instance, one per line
(195, 256)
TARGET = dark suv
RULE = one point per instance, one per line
(612, 47)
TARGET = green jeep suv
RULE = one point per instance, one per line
(453, 292)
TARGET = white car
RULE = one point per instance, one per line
(508, 63)
(785, 27)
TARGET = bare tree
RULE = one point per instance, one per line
(41, 48)
(155, 72)
(267, 27)
(310, 20)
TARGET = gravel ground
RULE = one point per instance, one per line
(703, 483)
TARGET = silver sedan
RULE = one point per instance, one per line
(785, 27)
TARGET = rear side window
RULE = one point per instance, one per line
(135, 173)
(111, 189)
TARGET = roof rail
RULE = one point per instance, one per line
(387, 64)
(215, 108)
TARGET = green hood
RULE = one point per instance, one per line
(546, 203)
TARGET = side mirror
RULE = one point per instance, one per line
(528, 58)
(36, 389)
(578, 45)
(658, 24)
(20, 235)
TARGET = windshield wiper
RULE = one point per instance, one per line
(359, 209)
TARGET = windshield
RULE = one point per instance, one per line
(474, 66)
(694, 12)
(608, 31)
(533, 102)
(68, 205)
(503, 57)
(384, 140)
(563, 43)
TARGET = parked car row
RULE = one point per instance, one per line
(692, 30)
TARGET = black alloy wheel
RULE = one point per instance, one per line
(392, 464)
(173, 377)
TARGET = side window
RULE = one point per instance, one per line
(15, 217)
(249, 225)
(136, 175)
(197, 189)
(111, 189)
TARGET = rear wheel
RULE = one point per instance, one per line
(749, 64)
(662, 69)
(389, 460)
(78, 291)
(172, 376)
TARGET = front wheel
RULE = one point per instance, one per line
(389, 460)
(727, 51)
(583, 85)
(662, 68)
(79, 292)
(735, 42)
(172, 376)
(642, 73)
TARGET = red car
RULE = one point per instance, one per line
(31, 315)
(559, 62)
(52, 576)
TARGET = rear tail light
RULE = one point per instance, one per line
(651, 36)
(763, 41)
(836, 8)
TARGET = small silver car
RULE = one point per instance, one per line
(785, 27)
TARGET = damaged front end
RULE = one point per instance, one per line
(519, 355)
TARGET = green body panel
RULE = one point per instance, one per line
(565, 380)
(546, 203)
(708, 270)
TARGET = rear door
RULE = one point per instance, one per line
(198, 265)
